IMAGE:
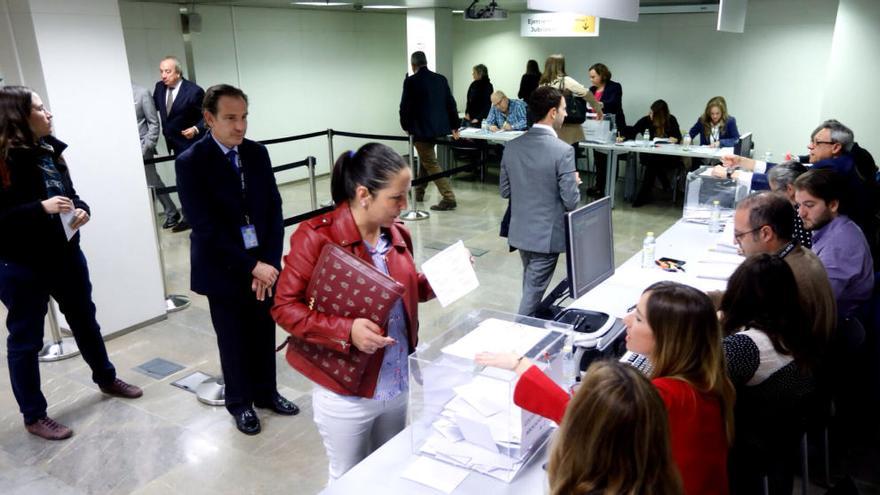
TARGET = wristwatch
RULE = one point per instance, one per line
(730, 171)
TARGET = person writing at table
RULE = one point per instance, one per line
(715, 128)
(506, 114)
(676, 327)
(614, 438)
(663, 125)
(369, 188)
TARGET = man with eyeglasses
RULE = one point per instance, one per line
(762, 224)
(506, 114)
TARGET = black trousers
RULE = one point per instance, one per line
(246, 340)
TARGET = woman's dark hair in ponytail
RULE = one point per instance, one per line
(372, 166)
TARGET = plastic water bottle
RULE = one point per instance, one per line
(485, 125)
(648, 246)
(647, 135)
(768, 157)
(715, 218)
(686, 142)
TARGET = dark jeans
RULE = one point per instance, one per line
(25, 292)
(246, 340)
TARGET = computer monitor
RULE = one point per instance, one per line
(743, 146)
(589, 254)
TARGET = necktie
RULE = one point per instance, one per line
(231, 156)
(169, 100)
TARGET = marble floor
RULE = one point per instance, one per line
(168, 442)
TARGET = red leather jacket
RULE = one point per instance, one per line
(291, 310)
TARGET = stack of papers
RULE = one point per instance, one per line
(494, 335)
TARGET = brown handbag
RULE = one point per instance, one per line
(344, 285)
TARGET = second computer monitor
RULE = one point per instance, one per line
(589, 246)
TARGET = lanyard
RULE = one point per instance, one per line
(787, 249)
(239, 167)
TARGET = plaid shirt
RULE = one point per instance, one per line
(516, 115)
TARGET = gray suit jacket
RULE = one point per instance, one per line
(537, 174)
(148, 120)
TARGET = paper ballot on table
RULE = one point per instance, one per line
(451, 274)
(435, 474)
(67, 220)
(494, 335)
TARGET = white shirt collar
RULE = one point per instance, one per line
(223, 148)
(545, 126)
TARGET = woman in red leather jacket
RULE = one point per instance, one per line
(370, 189)
(676, 327)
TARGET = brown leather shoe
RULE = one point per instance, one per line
(49, 429)
(121, 389)
(444, 205)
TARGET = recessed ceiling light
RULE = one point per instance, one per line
(322, 4)
(458, 12)
(386, 7)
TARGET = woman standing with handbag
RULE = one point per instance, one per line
(370, 189)
(554, 75)
(37, 260)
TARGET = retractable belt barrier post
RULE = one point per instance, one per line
(173, 302)
(331, 158)
(415, 213)
(60, 347)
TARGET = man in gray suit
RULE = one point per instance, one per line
(148, 128)
(538, 175)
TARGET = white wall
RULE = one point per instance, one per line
(851, 93)
(303, 70)
(771, 76)
(72, 52)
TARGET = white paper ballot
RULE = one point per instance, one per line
(476, 433)
(66, 221)
(451, 274)
(436, 474)
(494, 335)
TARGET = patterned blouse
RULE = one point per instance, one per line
(394, 374)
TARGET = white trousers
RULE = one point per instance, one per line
(353, 427)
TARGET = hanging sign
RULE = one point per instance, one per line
(558, 25)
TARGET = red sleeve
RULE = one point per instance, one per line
(536, 392)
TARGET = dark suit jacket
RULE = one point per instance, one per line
(427, 108)
(612, 102)
(186, 111)
(210, 192)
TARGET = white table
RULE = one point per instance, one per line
(690, 242)
(614, 150)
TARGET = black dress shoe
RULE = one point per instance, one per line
(247, 422)
(181, 226)
(280, 405)
(170, 222)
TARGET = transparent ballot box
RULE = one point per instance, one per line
(600, 131)
(463, 414)
(702, 189)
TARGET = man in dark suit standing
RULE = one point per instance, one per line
(228, 191)
(428, 111)
(539, 177)
(180, 110)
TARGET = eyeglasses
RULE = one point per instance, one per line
(737, 236)
(817, 143)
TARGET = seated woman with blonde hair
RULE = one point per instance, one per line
(676, 327)
(614, 438)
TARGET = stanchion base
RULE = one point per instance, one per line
(415, 215)
(176, 302)
(56, 351)
(212, 392)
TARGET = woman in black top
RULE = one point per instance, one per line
(610, 94)
(479, 96)
(660, 124)
(529, 81)
(37, 260)
(770, 355)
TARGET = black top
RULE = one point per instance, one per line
(427, 108)
(528, 84)
(672, 129)
(612, 102)
(30, 235)
(479, 99)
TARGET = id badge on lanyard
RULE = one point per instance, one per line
(248, 231)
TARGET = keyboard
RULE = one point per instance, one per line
(638, 361)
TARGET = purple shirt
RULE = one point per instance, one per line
(843, 250)
(394, 373)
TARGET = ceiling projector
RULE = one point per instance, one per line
(490, 12)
